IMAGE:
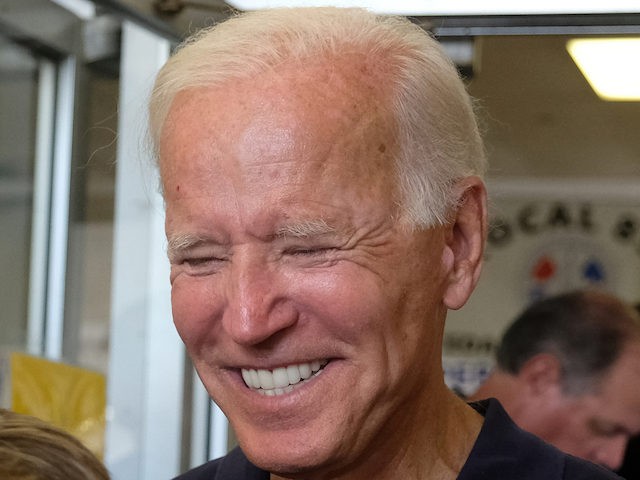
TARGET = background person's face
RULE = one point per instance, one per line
(285, 253)
(598, 426)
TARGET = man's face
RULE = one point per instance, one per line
(290, 272)
(598, 426)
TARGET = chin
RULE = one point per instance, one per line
(292, 456)
(285, 463)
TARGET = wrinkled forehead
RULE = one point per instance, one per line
(303, 111)
(349, 83)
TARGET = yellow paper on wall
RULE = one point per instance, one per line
(69, 397)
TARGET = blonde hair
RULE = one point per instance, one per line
(31, 449)
(438, 136)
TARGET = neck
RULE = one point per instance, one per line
(434, 446)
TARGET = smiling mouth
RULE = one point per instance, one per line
(281, 380)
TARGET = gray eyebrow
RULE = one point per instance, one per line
(182, 242)
(306, 228)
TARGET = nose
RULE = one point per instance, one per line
(257, 303)
(611, 454)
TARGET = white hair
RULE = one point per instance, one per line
(438, 136)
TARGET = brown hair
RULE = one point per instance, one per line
(587, 330)
(31, 449)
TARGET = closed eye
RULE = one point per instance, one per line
(310, 251)
(197, 262)
(606, 429)
(200, 266)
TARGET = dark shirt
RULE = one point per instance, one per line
(233, 466)
(631, 466)
(502, 452)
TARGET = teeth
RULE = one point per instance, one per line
(255, 379)
(293, 373)
(280, 380)
(266, 379)
(305, 370)
(246, 376)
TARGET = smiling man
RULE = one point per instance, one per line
(324, 210)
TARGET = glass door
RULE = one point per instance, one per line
(26, 97)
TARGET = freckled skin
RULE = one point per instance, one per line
(240, 161)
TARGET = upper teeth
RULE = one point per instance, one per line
(280, 380)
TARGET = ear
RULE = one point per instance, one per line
(541, 374)
(465, 241)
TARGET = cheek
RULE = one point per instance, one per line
(573, 430)
(346, 303)
(381, 326)
(194, 309)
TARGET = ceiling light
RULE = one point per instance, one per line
(610, 65)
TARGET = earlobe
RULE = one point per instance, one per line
(466, 241)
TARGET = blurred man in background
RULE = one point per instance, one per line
(568, 370)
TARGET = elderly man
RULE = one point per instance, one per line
(324, 209)
(568, 370)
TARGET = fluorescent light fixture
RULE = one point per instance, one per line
(610, 65)
(458, 7)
